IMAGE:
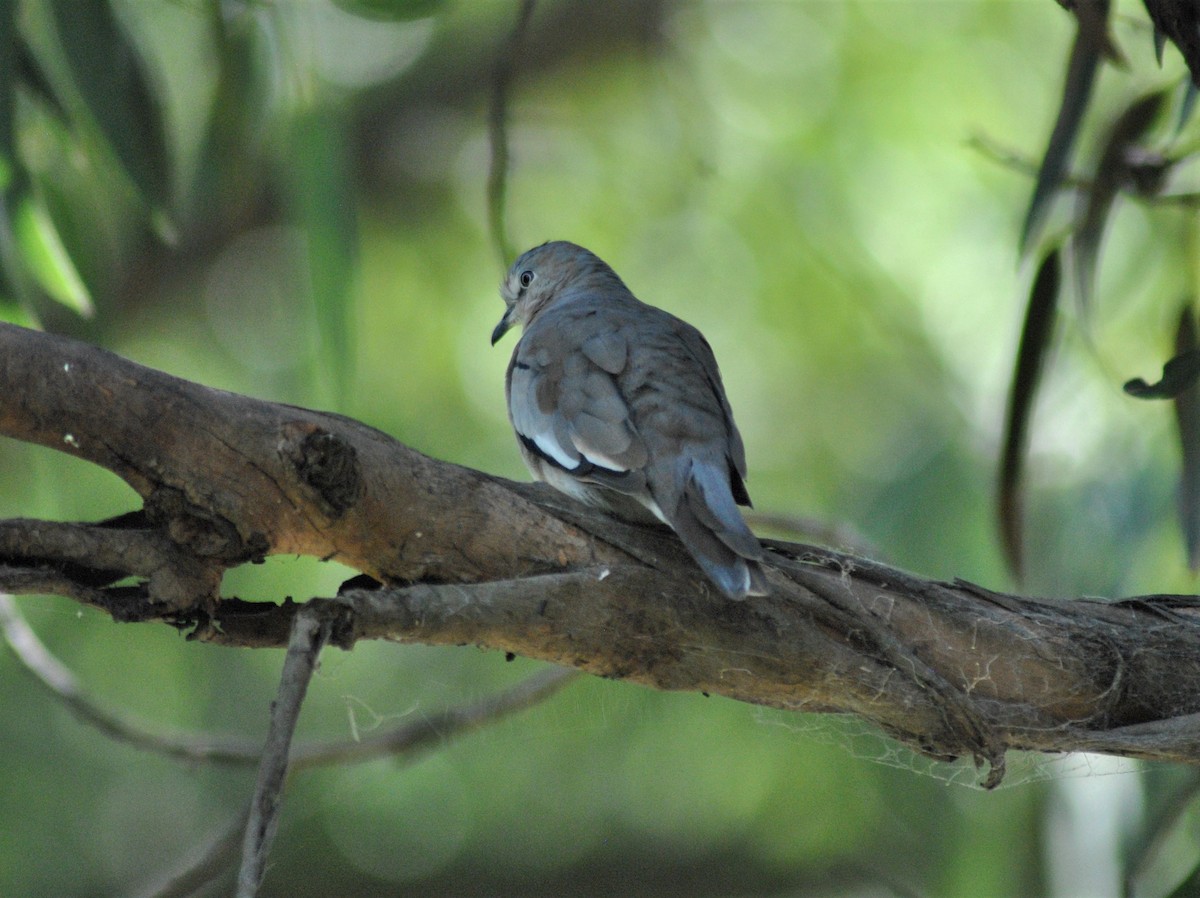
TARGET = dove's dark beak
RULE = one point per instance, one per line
(503, 326)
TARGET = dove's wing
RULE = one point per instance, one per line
(625, 397)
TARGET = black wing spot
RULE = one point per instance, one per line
(740, 495)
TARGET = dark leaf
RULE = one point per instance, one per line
(30, 77)
(1187, 418)
(13, 309)
(1115, 171)
(8, 84)
(229, 174)
(1148, 170)
(1178, 20)
(1179, 374)
(497, 183)
(103, 71)
(1040, 314)
(390, 10)
(1091, 43)
(1188, 105)
(1163, 853)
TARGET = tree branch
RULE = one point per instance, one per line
(949, 668)
(309, 635)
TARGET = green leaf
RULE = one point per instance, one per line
(45, 257)
(13, 311)
(321, 197)
(390, 10)
(97, 73)
(17, 290)
(1040, 314)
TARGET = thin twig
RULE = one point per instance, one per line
(497, 185)
(212, 862)
(53, 676)
(431, 729)
(992, 149)
(1014, 160)
(310, 632)
(438, 727)
(404, 742)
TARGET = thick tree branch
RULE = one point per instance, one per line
(949, 668)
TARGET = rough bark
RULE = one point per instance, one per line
(949, 668)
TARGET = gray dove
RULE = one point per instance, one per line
(620, 404)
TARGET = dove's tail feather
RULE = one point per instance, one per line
(711, 527)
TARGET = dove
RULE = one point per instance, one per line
(620, 404)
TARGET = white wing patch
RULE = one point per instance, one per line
(571, 459)
(549, 446)
(577, 420)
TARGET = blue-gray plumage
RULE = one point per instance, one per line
(620, 404)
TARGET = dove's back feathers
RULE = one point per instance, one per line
(614, 400)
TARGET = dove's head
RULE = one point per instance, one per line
(545, 273)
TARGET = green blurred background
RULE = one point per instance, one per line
(794, 178)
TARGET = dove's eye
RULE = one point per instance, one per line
(526, 278)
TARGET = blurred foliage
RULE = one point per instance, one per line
(289, 199)
(1139, 157)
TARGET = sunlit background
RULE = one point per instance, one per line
(800, 180)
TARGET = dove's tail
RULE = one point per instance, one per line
(711, 527)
